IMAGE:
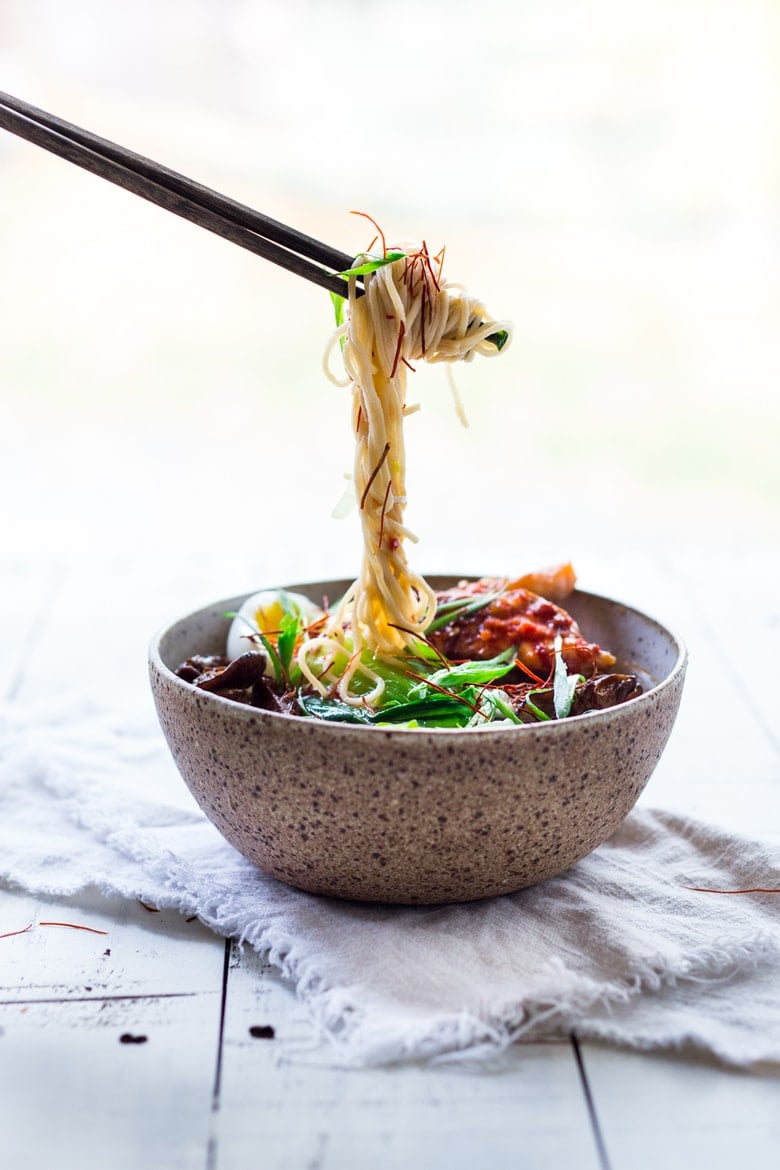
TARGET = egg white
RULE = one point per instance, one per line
(263, 613)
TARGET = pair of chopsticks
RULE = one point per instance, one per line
(216, 213)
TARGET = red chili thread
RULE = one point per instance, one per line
(444, 661)
(443, 690)
(13, 933)
(403, 629)
(429, 266)
(317, 626)
(527, 670)
(439, 259)
(74, 926)
(371, 219)
(401, 333)
(750, 890)
(373, 475)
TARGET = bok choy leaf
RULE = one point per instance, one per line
(564, 684)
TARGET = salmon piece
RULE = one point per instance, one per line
(555, 583)
(521, 618)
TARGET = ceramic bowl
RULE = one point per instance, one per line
(411, 815)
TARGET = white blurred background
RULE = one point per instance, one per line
(605, 174)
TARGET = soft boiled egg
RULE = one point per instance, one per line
(262, 613)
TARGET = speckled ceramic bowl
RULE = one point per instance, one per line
(412, 815)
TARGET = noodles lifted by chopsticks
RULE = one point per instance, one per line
(408, 313)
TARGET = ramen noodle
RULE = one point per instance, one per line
(407, 314)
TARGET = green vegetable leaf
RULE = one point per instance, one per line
(476, 672)
(564, 684)
(276, 662)
(537, 712)
(339, 307)
(458, 607)
(503, 707)
(372, 264)
(289, 628)
(435, 710)
(333, 710)
(499, 338)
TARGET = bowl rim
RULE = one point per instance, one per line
(502, 727)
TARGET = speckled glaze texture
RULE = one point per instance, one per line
(409, 815)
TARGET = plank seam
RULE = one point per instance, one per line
(598, 1136)
(151, 995)
(211, 1151)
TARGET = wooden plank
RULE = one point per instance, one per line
(73, 1093)
(281, 1101)
(722, 765)
(658, 1110)
(137, 952)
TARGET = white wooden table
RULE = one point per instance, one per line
(147, 1041)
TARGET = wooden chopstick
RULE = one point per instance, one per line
(217, 213)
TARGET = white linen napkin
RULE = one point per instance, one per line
(620, 947)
